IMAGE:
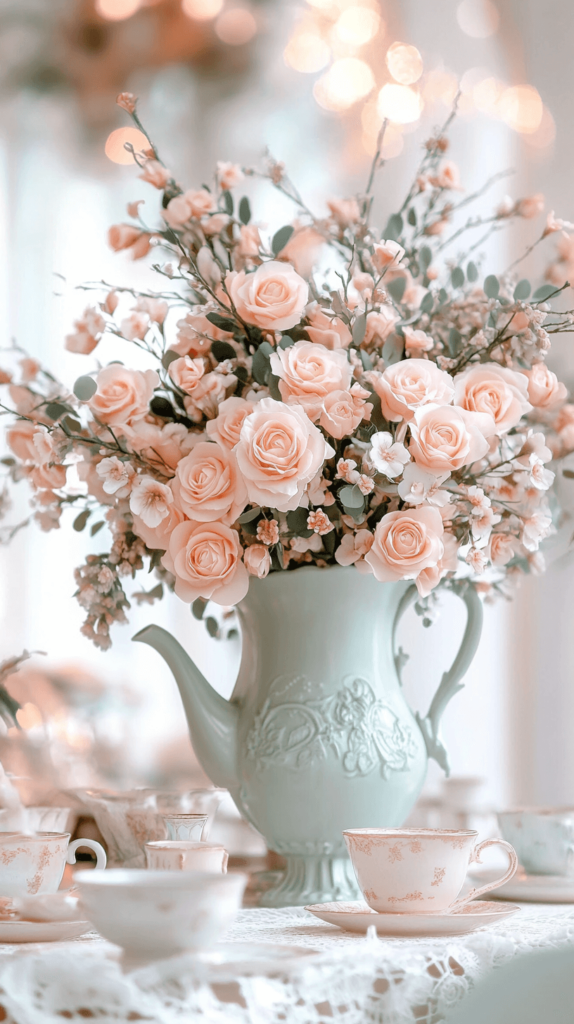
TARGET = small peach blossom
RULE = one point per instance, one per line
(156, 309)
(308, 372)
(20, 439)
(387, 456)
(257, 561)
(127, 101)
(353, 547)
(214, 224)
(229, 175)
(127, 236)
(448, 176)
(43, 446)
(29, 369)
(319, 522)
(411, 384)
(123, 395)
(325, 330)
(530, 206)
(501, 549)
(162, 446)
(150, 500)
(556, 224)
(406, 543)
(506, 207)
(5, 376)
(191, 204)
(416, 342)
(135, 326)
(117, 476)
(418, 486)
(249, 242)
(535, 529)
(437, 227)
(365, 484)
(208, 486)
(364, 283)
(545, 391)
(386, 253)
(268, 531)
(46, 477)
(347, 470)
(205, 559)
(344, 211)
(477, 559)
(186, 373)
(110, 303)
(155, 174)
(273, 297)
(133, 209)
(88, 330)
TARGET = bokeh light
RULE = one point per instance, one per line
(404, 63)
(347, 81)
(307, 52)
(477, 18)
(202, 10)
(487, 94)
(356, 26)
(399, 103)
(545, 134)
(117, 10)
(521, 107)
(115, 144)
(371, 121)
(236, 26)
(440, 85)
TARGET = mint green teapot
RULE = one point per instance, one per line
(317, 736)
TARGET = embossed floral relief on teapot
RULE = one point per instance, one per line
(317, 736)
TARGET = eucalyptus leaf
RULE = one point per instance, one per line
(251, 513)
(491, 286)
(457, 277)
(522, 290)
(366, 360)
(351, 497)
(71, 424)
(393, 349)
(425, 257)
(359, 328)
(160, 406)
(261, 363)
(412, 217)
(394, 227)
(442, 296)
(427, 303)
(543, 292)
(221, 350)
(472, 272)
(273, 385)
(286, 341)
(454, 340)
(211, 625)
(198, 607)
(222, 322)
(280, 239)
(169, 357)
(228, 202)
(85, 388)
(244, 210)
(297, 520)
(81, 520)
(568, 473)
(96, 528)
(397, 288)
(56, 409)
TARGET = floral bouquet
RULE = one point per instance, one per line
(329, 395)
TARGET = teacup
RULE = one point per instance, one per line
(32, 864)
(543, 839)
(179, 855)
(189, 827)
(153, 915)
(418, 870)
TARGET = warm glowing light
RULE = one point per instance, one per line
(393, 139)
(404, 63)
(440, 85)
(357, 26)
(521, 108)
(236, 26)
(115, 145)
(486, 95)
(29, 716)
(477, 18)
(545, 134)
(471, 78)
(399, 103)
(202, 10)
(307, 52)
(117, 10)
(347, 81)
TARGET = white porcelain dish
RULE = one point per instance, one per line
(533, 888)
(42, 931)
(358, 916)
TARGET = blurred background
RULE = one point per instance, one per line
(311, 82)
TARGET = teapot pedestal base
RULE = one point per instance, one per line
(312, 878)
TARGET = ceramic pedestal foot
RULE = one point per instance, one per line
(313, 879)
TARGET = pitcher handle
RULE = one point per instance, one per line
(91, 844)
(450, 682)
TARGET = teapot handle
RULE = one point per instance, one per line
(450, 682)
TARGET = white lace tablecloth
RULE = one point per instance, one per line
(352, 979)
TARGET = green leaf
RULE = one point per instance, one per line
(522, 290)
(457, 277)
(280, 239)
(81, 520)
(442, 296)
(222, 322)
(425, 257)
(393, 349)
(297, 520)
(169, 357)
(211, 625)
(222, 350)
(412, 217)
(359, 328)
(96, 528)
(55, 409)
(261, 363)
(454, 340)
(161, 407)
(366, 360)
(427, 303)
(491, 286)
(251, 513)
(568, 473)
(351, 497)
(472, 272)
(543, 292)
(394, 227)
(286, 341)
(244, 210)
(84, 388)
(198, 607)
(274, 389)
(228, 202)
(69, 423)
(329, 541)
(8, 461)
(397, 288)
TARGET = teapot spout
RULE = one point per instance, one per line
(212, 720)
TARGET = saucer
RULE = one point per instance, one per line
(248, 957)
(530, 888)
(42, 931)
(358, 916)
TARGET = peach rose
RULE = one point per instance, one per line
(205, 559)
(257, 561)
(303, 249)
(344, 410)
(20, 440)
(186, 373)
(127, 236)
(273, 297)
(278, 454)
(123, 395)
(544, 389)
(444, 438)
(379, 326)
(207, 485)
(308, 372)
(195, 335)
(156, 538)
(155, 174)
(226, 427)
(49, 478)
(249, 242)
(386, 253)
(193, 203)
(501, 548)
(344, 211)
(493, 389)
(88, 330)
(162, 447)
(406, 544)
(410, 384)
(325, 330)
(229, 174)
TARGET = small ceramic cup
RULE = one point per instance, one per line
(154, 915)
(189, 827)
(418, 870)
(179, 855)
(543, 839)
(32, 864)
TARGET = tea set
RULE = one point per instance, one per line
(411, 880)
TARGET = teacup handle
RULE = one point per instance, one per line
(224, 862)
(475, 893)
(101, 859)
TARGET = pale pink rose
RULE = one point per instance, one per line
(208, 486)
(347, 470)
(229, 175)
(545, 391)
(50, 478)
(126, 236)
(326, 330)
(257, 561)
(88, 330)
(226, 427)
(416, 342)
(156, 309)
(116, 476)
(406, 543)
(20, 440)
(157, 538)
(135, 326)
(530, 206)
(353, 547)
(205, 559)
(364, 283)
(273, 297)
(150, 500)
(161, 446)
(123, 395)
(186, 373)
(155, 173)
(493, 389)
(501, 549)
(344, 211)
(279, 452)
(386, 253)
(303, 249)
(379, 326)
(249, 242)
(409, 385)
(193, 203)
(444, 438)
(214, 224)
(308, 372)
(343, 411)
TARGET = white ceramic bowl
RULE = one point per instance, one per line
(153, 915)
